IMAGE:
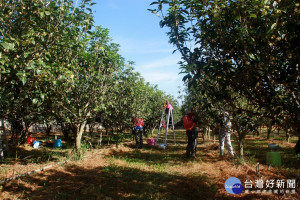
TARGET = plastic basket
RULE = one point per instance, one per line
(151, 141)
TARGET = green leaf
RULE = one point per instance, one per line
(47, 12)
(273, 26)
(23, 79)
(8, 46)
(153, 3)
(271, 29)
(43, 96)
(34, 101)
(253, 16)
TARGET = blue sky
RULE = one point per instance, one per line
(141, 40)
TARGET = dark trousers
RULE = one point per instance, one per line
(192, 136)
(138, 136)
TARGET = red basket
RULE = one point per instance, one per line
(151, 141)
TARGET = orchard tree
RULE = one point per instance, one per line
(130, 96)
(155, 99)
(83, 84)
(54, 62)
(29, 33)
(121, 102)
(252, 47)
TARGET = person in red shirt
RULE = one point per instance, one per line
(137, 131)
(168, 107)
(192, 133)
(30, 139)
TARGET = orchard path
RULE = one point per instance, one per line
(149, 173)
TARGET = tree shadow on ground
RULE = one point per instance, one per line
(258, 149)
(113, 182)
(206, 152)
(27, 155)
(110, 182)
(152, 154)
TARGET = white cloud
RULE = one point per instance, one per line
(161, 63)
(140, 46)
(155, 77)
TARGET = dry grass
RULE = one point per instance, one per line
(149, 173)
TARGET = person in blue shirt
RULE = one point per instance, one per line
(137, 131)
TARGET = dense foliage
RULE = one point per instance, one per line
(242, 56)
(57, 67)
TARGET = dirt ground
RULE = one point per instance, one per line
(148, 173)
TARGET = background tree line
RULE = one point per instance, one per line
(57, 67)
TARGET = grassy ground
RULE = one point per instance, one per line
(108, 172)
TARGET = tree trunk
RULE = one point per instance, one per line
(214, 138)
(24, 132)
(100, 139)
(91, 129)
(1, 129)
(287, 135)
(16, 129)
(241, 138)
(269, 129)
(204, 133)
(5, 138)
(208, 133)
(1, 150)
(48, 129)
(260, 131)
(108, 136)
(152, 132)
(118, 139)
(85, 127)
(241, 146)
(79, 133)
(66, 129)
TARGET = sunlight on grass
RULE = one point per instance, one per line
(154, 173)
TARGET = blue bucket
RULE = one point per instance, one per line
(35, 144)
(57, 143)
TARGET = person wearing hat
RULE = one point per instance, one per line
(224, 134)
(192, 134)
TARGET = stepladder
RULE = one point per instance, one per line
(167, 121)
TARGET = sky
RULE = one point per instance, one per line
(142, 40)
